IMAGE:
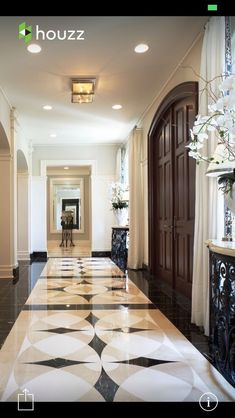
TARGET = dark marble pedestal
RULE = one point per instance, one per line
(119, 251)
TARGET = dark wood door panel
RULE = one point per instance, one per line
(164, 208)
(183, 264)
(172, 189)
(179, 187)
(184, 195)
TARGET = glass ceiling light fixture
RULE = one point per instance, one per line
(83, 90)
(117, 107)
(34, 48)
(141, 48)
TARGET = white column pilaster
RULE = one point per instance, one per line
(6, 217)
(38, 214)
(13, 196)
(23, 247)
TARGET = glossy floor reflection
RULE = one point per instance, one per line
(81, 267)
(99, 338)
(89, 290)
(80, 249)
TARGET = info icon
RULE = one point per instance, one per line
(25, 401)
(208, 401)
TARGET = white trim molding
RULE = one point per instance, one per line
(6, 271)
(6, 157)
(72, 163)
(23, 255)
(23, 174)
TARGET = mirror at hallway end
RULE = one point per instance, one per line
(66, 194)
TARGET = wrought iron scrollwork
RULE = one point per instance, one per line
(222, 314)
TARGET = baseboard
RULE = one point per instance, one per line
(6, 272)
(23, 255)
(38, 256)
(16, 274)
(145, 267)
(101, 254)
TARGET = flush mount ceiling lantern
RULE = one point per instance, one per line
(83, 90)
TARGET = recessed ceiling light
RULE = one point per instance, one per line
(66, 168)
(141, 48)
(53, 135)
(47, 107)
(34, 48)
(116, 106)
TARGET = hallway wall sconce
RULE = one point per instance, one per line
(83, 90)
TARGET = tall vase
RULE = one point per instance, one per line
(121, 216)
(230, 199)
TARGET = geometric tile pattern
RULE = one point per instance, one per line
(81, 267)
(120, 352)
(95, 290)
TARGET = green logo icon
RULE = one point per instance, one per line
(25, 32)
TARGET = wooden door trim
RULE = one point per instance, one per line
(179, 92)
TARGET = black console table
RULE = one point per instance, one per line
(119, 251)
(222, 309)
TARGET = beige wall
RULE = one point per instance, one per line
(87, 215)
(104, 155)
(5, 121)
(187, 71)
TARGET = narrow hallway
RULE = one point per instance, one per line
(88, 333)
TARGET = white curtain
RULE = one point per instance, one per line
(119, 165)
(136, 241)
(212, 66)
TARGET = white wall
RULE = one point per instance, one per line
(105, 155)
(102, 215)
(187, 71)
(38, 214)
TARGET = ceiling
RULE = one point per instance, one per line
(107, 53)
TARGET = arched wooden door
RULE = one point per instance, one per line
(171, 182)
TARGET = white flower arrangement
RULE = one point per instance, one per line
(119, 191)
(221, 120)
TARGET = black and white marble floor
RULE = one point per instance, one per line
(87, 333)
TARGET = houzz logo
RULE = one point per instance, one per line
(25, 32)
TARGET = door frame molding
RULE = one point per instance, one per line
(181, 91)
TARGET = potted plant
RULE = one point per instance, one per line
(220, 121)
(119, 201)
